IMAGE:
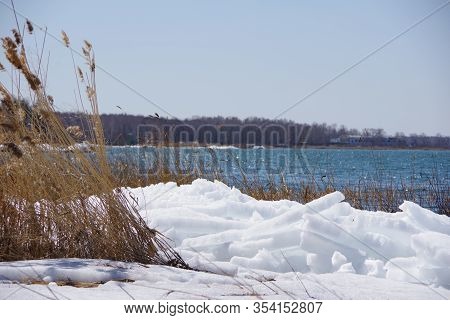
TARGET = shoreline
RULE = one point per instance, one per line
(331, 147)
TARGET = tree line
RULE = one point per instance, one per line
(126, 129)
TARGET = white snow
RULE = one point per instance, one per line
(210, 222)
(159, 282)
(268, 249)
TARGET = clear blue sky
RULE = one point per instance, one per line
(257, 58)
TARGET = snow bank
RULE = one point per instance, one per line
(219, 229)
(119, 280)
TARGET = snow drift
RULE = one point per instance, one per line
(217, 228)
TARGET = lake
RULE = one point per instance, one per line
(338, 167)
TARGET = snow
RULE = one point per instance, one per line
(245, 248)
(210, 222)
(160, 282)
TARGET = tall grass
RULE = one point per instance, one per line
(56, 201)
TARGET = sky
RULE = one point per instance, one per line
(254, 58)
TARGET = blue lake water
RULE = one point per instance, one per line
(327, 166)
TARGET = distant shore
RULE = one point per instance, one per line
(175, 145)
(378, 148)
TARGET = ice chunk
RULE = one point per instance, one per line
(318, 263)
(375, 268)
(337, 260)
(347, 268)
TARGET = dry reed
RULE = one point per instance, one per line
(55, 200)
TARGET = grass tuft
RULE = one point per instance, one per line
(55, 200)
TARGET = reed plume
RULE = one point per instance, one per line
(56, 201)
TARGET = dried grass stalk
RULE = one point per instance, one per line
(56, 201)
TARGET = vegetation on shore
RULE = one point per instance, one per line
(56, 204)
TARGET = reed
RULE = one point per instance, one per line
(57, 201)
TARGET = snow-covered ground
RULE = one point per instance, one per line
(249, 249)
